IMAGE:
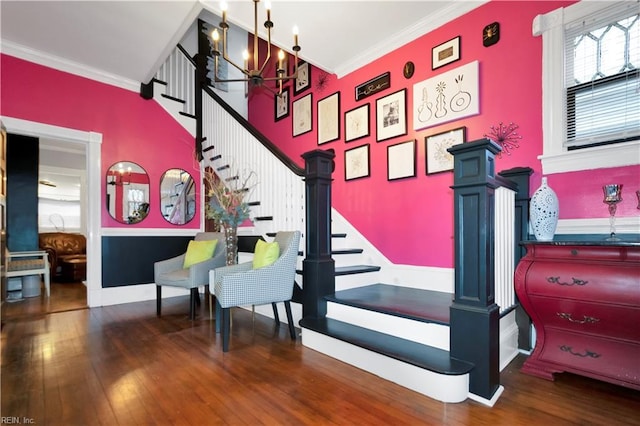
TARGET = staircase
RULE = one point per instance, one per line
(400, 333)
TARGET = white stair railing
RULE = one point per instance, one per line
(280, 191)
(505, 296)
(179, 73)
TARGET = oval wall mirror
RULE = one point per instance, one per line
(177, 196)
(127, 192)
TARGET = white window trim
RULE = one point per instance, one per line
(555, 157)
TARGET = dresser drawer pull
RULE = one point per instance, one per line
(556, 280)
(585, 319)
(586, 354)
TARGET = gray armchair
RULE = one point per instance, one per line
(241, 285)
(171, 273)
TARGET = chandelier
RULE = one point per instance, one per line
(254, 75)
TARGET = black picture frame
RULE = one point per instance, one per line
(373, 86)
(303, 80)
(391, 115)
(329, 118)
(281, 105)
(445, 53)
(302, 115)
(436, 156)
(357, 162)
(356, 123)
(401, 160)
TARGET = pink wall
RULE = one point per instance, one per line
(411, 220)
(133, 129)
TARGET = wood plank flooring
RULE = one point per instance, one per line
(121, 365)
(64, 297)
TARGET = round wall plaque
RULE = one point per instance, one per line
(408, 69)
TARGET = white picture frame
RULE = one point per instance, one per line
(446, 97)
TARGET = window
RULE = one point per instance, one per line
(591, 86)
(603, 87)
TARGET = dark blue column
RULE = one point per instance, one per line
(318, 265)
(474, 328)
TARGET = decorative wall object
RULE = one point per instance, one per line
(543, 211)
(446, 97)
(302, 115)
(303, 81)
(401, 160)
(505, 136)
(491, 34)
(356, 162)
(329, 118)
(408, 69)
(281, 104)
(391, 115)
(437, 157)
(445, 53)
(356, 123)
(373, 86)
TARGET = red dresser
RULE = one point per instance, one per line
(584, 301)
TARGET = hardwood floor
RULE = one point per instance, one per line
(121, 365)
(64, 297)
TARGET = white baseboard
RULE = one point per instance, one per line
(488, 402)
(508, 339)
(137, 293)
(445, 388)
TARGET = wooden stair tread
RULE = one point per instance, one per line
(427, 357)
(347, 251)
(405, 302)
(355, 269)
(351, 269)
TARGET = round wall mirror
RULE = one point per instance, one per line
(177, 196)
(127, 192)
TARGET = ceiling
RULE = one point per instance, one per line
(130, 39)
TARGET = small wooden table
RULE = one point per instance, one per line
(74, 269)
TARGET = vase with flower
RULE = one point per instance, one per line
(227, 206)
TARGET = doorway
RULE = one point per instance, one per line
(70, 139)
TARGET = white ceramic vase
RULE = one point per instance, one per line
(543, 212)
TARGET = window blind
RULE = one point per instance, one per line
(602, 78)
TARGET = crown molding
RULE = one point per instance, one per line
(61, 64)
(422, 27)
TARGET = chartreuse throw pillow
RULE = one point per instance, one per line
(199, 251)
(265, 254)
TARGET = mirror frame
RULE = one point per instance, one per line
(127, 174)
(177, 196)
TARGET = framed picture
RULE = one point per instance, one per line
(373, 86)
(437, 157)
(303, 81)
(391, 115)
(329, 118)
(445, 53)
(356, 123)
(302, 115)
(281, 104)
(356, 162)
(449, 96)
(401, 160)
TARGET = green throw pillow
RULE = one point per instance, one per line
(265, 254)
(199, 251)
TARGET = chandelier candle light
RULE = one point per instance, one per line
(255, 75)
